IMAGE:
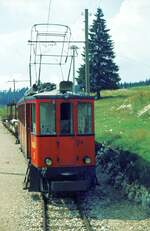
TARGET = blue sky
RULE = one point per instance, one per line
(127, 20)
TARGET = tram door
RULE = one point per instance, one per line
(67, 148)
(28, 129)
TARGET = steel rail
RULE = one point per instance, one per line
(45, 217)
(83, 216)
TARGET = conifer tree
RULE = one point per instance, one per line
(103, 70)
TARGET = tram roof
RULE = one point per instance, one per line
(55, 95)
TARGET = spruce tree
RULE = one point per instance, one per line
(103, 70)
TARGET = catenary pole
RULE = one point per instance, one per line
(87, 77)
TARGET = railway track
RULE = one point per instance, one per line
(65, 214)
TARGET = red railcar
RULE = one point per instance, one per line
(56, 128)
(56, 132)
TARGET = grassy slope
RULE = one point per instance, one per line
(123, 128)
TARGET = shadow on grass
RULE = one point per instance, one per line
(113, 97)
(113, 201)
(134, 167)
(110, 204)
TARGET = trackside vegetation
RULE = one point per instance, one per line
(122, 120)
(3, 111)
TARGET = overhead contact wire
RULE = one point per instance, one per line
(49, 11)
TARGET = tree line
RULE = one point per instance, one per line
(135, 84)
(9, 96)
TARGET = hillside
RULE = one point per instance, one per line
(122, 120)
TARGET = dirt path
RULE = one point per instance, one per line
(18, 209)
(12, 168)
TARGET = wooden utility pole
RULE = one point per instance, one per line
(14, 85)
(87, 77)
(13, 104)
(74, 52)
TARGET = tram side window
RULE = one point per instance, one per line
(21, 114)
(66, 118)
(33, 127)
(47, 119)
(84, 118)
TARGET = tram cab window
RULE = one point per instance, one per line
(66, 118)
(84, 118)
(33, 125)
(47, 119)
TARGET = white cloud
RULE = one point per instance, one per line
(130, 31)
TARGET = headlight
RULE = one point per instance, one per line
(87, 160)
(48, 161)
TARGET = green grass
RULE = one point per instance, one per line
(2, 111)
(123, 128)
